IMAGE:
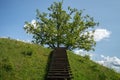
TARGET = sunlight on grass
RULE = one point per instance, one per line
(23, 61)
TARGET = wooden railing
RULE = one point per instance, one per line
(59, 68)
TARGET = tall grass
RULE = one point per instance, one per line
(24, 61)
(85, 69)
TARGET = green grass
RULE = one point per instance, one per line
(24, 61)
(85, 69)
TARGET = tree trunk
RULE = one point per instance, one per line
(58, 45)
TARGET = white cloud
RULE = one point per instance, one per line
(4, 37)
(101, 34)
(83, 53)
(111, 62)
(26, 41)
(33, 22)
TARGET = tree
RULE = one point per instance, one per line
(70, 28)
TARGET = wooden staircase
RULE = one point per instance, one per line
(59, 68)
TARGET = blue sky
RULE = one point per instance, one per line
(13, 14)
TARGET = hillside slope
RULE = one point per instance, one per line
(85, 69)
(23, 61)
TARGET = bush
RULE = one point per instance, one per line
(102, 76)
(95, 67)
(27, 53)
(6, 65)
(87, 57)
(84, 58)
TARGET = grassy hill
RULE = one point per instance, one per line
(24, 61)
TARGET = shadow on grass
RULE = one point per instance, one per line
(48, 65)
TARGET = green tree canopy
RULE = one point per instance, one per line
(68, 28)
